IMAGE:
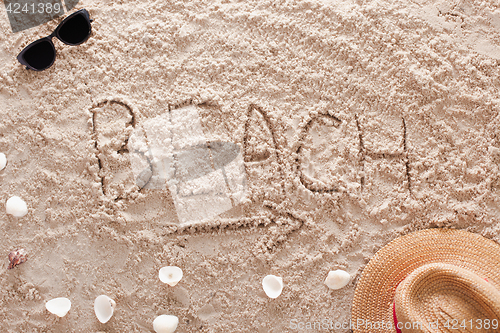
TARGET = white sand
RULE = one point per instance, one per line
(359, 122)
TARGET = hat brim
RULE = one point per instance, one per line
(372, 308)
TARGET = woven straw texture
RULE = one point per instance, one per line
(441, 293)
(372, 310)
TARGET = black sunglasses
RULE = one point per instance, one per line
(73, 30)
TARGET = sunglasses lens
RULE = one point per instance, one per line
(75, 30)
(40, 55)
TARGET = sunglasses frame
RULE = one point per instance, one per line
(83, 12)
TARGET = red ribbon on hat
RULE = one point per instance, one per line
(394, 317)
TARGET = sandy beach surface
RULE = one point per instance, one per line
(337, 126)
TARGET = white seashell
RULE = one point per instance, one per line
(337, 279)
(58, 306)
(170, 275)
(165, 324)
(16, 206)
(3, 161)
(103, 308)
(273, 285)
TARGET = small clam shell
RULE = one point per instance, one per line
(3, 161)
(273, 285)
(170, 275)
(103, 308)
(165, 324)
(58, 306)
(337, 279)
(16, 206)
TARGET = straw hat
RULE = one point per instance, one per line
(435, 280)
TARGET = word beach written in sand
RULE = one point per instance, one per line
(329, 156)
